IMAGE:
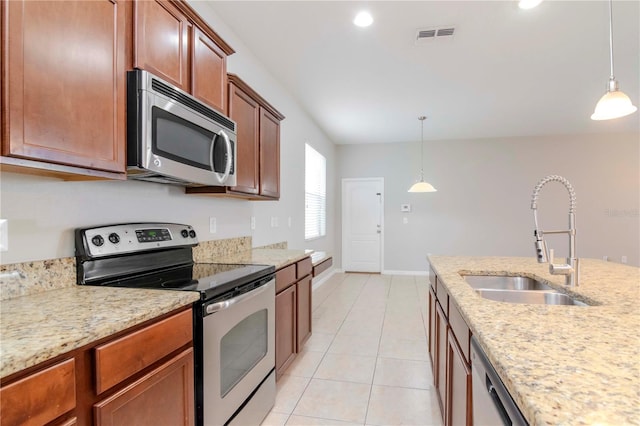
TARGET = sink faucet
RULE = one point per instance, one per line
(571, 269)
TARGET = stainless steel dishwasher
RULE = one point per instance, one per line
(492, 404)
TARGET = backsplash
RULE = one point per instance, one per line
(24, 279)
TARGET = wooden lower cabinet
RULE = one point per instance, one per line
(293, 311)
(286, 333)
(304, 308)
(440, 371)
(140, 376)
(432, 327)
(449, 338)
(458, 405)
(163, 396)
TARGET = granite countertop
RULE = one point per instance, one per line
(49, 322)
(40, 326)
(276, 257)
(570, 365)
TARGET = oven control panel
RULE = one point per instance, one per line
(133, 237)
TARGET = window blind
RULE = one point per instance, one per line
(315, 191)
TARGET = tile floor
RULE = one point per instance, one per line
(367, 362)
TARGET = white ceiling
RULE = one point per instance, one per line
(506, 72)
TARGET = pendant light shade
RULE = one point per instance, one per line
(421, 185)
(614, 103)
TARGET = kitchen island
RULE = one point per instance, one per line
(577, 365)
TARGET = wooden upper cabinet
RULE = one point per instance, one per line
(269, 154)
(161, 33)
(245, 111)
(63, 82)
(209, 71)
(258, 146)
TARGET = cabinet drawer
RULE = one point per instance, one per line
(322, 266)
(433, 279)
(285, 277)
(123, 357)
(41, 397)
(443, 298)
(460, 330)
(304, 267)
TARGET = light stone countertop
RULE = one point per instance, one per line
(276, 257)
(38, 327)
(563, 365)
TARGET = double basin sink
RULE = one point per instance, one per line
(518, 289)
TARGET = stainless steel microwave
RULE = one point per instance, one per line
(172, 137)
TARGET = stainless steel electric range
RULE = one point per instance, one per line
(234, 321)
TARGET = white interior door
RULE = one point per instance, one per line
(362, 230)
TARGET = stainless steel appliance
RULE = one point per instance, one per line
(172, 137)
(234, 321)
(492, 404)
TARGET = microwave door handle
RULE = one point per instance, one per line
(227, 142)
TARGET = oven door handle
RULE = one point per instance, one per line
(226, 304)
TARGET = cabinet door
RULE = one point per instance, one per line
(209, 71)
(64, 82)
(269, 154)
(459, 405)
(432, 329)
(286, 336)
(245, 111)
(441, 359)
(304, 310)
(161, 34)
(162, 397)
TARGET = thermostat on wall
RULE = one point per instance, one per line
(405, 207)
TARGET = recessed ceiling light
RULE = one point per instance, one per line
(363, 19)
(528, 4)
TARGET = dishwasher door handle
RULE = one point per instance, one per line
(497, 402)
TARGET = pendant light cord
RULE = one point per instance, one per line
(611, 37)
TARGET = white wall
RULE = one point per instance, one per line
(43, 212)
(482, 206)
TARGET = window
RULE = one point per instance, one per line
(315, 194)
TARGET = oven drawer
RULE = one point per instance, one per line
(123, 357)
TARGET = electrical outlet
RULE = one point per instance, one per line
(623, 259)
(253, 223)
(289, 222)
(276, 221)
(4, 235)
(405, 220)
(212, 225)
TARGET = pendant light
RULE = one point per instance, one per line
(422, 186)
(614, 103)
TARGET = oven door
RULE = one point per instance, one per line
(238, 353)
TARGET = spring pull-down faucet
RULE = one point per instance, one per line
(571, 269)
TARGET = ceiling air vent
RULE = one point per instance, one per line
(434, 33)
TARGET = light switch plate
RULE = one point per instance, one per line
(253, 223)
